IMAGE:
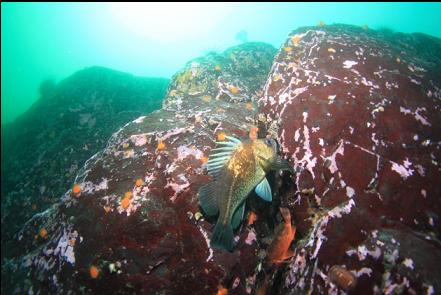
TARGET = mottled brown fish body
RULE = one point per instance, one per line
(237, 167)
(239, 177)
(342, 277)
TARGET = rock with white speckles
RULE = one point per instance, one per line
(134, 219)
(374, 102)
(365, 196)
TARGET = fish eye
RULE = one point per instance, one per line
(269, 141)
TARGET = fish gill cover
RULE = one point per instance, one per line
(355, 111)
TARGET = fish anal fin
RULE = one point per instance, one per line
(238, 216)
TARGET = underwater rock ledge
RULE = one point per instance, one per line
(132, 224)
(43, 149)
(356, 112)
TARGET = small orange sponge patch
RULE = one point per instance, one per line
(253, 133)
(76, 189)
(128, 195)
(139, 182)
(125, 203)
(249, 106)
(221, 136)
(42, 232)
(161, 146)
(204, 159)
(222, 291)
(234, 89)
(94, 272)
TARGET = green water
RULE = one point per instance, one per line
(52, 41)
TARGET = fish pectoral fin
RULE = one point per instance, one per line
(263, 190)
(207, 199)
(238, 216)
(280, 164)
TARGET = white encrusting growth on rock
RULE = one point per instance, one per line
(178, 187)
(305, 116)
(350, 192)
(320, 227)
(297, 135)
(362, 252)
(404, 170)
(408, 262)
(331, 98)
(139, 139)
(364, 271)
(417, 115)
(251, 237)
(207, 240)
(333, 165)
(139, 120)
(308, 161)
(88, 186)
(172, 132)
(65, 247)
(347, 64)
(184, 151)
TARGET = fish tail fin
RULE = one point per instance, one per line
(222, 236)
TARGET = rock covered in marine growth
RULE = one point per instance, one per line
(43, 149)
(358, 113)
(132, 224)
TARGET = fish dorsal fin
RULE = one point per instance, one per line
(238, 216)
(263, 190)
(221, 154)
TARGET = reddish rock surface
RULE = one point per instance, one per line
(358, 113)
(154, 240)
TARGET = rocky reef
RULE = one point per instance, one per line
(357, 114)
(131, 224)
(44, 148)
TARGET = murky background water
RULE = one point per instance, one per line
(52, 41)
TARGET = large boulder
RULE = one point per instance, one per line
(133, 225)
(358, 113)
(43, 149)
